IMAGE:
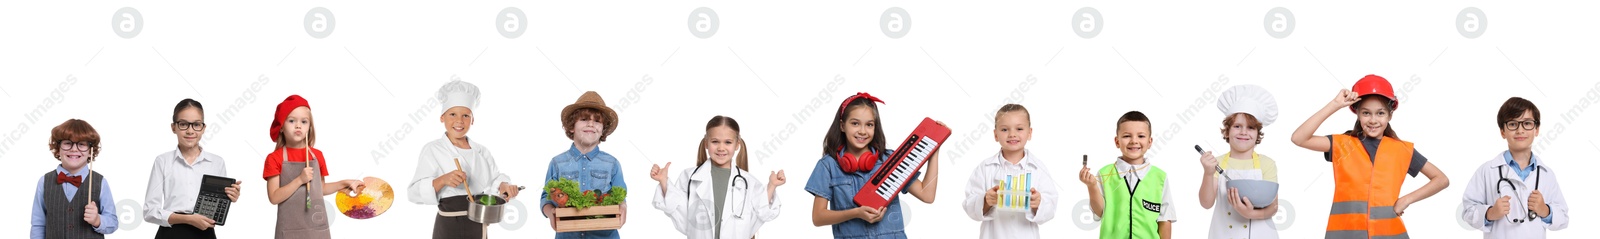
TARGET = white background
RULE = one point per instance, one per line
(765, 66)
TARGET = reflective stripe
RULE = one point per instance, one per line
(1401, 236)
(1350, 207)
(1352, 234)
(1382, 213)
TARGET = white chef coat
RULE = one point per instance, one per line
(438, 157)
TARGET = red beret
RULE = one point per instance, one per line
(294, 101)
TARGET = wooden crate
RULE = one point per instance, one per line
(566, 223)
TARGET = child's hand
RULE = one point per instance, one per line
(1536, 203)
(1400, 206)
(871, 215)
(353, 185)
(991, 197)
(306, 174)
(659, 173)
(91, 214)
(233, 192)
(451, 179)
(776, 179)
(1087, 177)
(552, 217)
(1344, 99)
(1500, 209)
(196, 220)
(1240, 203)
(509, 190)
(1034, 199)
(1209, 162)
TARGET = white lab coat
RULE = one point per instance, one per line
(1480, 195)
(1010, 224)
(689, 197)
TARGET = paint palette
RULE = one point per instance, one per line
(369, 202)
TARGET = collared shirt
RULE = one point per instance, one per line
(594, 170)
(439, 157)
(1169, 211)
(1533, 164)
(108, 207)
(175, 184)
(840, 188)
(1007, 224)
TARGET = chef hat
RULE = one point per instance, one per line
(1249, 99)
(457, 93)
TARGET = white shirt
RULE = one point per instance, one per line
(175, 184)
(1010, 224)
(1169, 212)
(438, 157)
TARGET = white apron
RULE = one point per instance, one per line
(1225, 222)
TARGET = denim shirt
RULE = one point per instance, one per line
(829, 182)
(594, 170)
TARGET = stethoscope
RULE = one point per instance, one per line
(738, 180)
(1504, 181)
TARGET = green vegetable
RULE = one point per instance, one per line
(580, 199)
(488, 200)
(616, 197)
(559, 189)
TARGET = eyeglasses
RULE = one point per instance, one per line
(1525, 125)
(197, 126)
(69, 145)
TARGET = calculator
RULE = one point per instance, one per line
(213, 201)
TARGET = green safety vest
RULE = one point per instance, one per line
(1131, 215)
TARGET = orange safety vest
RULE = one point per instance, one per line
(1365, 190)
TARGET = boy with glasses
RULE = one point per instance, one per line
(1515, 195)
(72, 201)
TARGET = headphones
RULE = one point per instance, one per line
(857, 163)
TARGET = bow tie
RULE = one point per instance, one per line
(63, 178)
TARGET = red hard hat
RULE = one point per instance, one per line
(1375, 85)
